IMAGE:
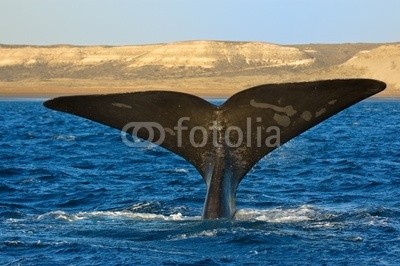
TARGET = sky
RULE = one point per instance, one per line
(129, 22)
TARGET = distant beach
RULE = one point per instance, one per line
(218, 87)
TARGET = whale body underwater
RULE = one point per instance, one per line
(222, 142)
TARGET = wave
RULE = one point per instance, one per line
(135, 212)
(279, 215)
(65, 137)
(64, 216)
(200, 234)
(308, 215)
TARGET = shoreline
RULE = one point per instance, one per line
(210, 88)
(55, 95)
(34, 97)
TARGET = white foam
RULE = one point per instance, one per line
(60, 215)
(65, 137)
(277, 215)
(205, 233)
(310, 216)
(181, 170)
(317, 217)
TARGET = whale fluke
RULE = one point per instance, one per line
(222, 142)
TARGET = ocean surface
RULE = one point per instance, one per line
(71, 192)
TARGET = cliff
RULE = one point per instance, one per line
(212, 68)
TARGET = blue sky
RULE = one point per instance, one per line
(122, 22)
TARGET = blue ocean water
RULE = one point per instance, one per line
(72, 193)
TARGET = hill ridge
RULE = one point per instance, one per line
(199, 66)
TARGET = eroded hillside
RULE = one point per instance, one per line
(200, 67)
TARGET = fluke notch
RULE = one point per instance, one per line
(222, 142)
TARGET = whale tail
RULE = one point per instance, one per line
(222, 142)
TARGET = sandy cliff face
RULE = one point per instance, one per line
(69, 55)
(200, 67)
(382, 63)
(202, 54)
(206, 54)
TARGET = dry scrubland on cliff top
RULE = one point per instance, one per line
(200, 67)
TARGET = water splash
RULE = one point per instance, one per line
(278, 215)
